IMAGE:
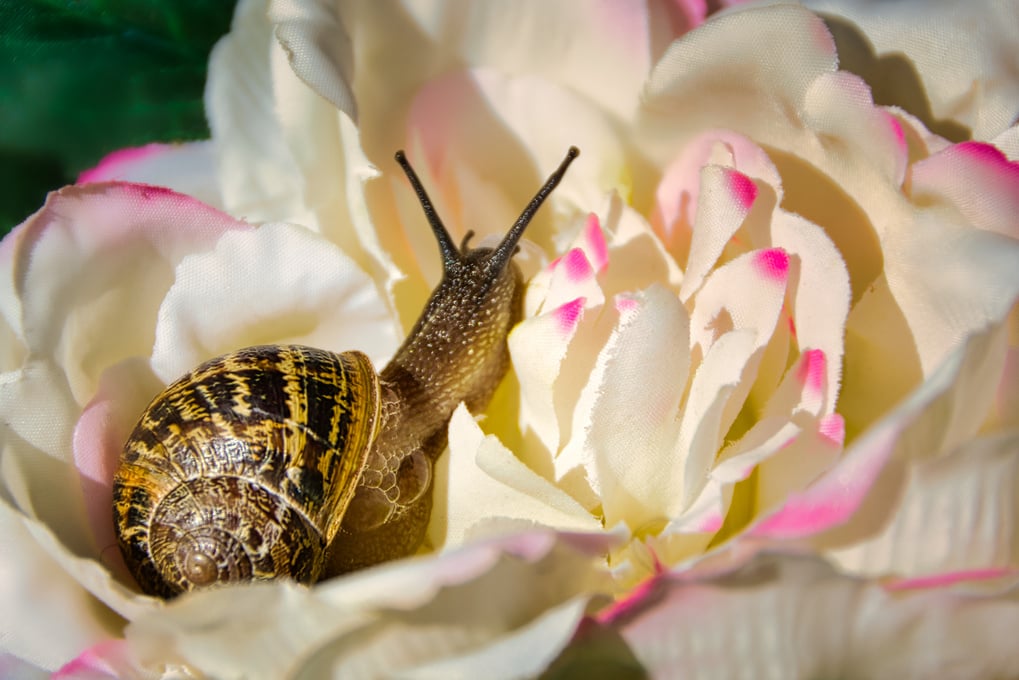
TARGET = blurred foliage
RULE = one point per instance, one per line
(82, 78)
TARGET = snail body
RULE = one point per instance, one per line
(286, 461)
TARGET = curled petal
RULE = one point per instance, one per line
(936, 418)
(186, 168)
(280, 283)
(388, 620)
(956, 514)
(977, 180)
(626, 414)
(100, 256)
(487, 482)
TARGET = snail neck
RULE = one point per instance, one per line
(456, 352)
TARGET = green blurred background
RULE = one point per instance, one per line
(82, 78)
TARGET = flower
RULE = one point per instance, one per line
(766, 371)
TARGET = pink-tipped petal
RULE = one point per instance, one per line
(833, 427)
(743, 189)
(569, 314)
(576, 266)
(595, 240)
(773, 264)
(834, 498)
(109, 660)
(812, 371)
(977, 180)
(117, 164)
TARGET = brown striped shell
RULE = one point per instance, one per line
(242, 469)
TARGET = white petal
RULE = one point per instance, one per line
(626, 415)
(99, 257)
(730, 62)
(186, 168)
(47, 613)
(957, 513)
(381, 621)
(258, 176)
(279, 283)
(786, 616)
(961, 55)
(485, 481)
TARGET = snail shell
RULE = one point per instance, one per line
(243, 468)
(285, 461)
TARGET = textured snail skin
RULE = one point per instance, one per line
(285, 461)
(456, 353)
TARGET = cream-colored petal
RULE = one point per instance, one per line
(950, 281)
(956, 513)
(538, 346)
(318, 47)
(480, 480)
(724, 199)
(744, 294)
(189, 168)
(726, 74)
(955, 67)
(258, 176)
(47, 613)
(626, 415)
(717, 390)
(277, 284)
(606, 59)
(381, 621)
(821, 297)
(100, 257)
(526, 652)
(98, 443)
(12, 336)
(787, 616)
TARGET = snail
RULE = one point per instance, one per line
(286, 461)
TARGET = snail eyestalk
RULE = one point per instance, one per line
(450, 254)
(504, 251)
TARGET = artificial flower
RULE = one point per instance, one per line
(766, 374)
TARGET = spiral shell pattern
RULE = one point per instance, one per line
(243, 468)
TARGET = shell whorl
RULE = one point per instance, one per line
(243, 468)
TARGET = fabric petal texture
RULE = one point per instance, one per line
(760, 409)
